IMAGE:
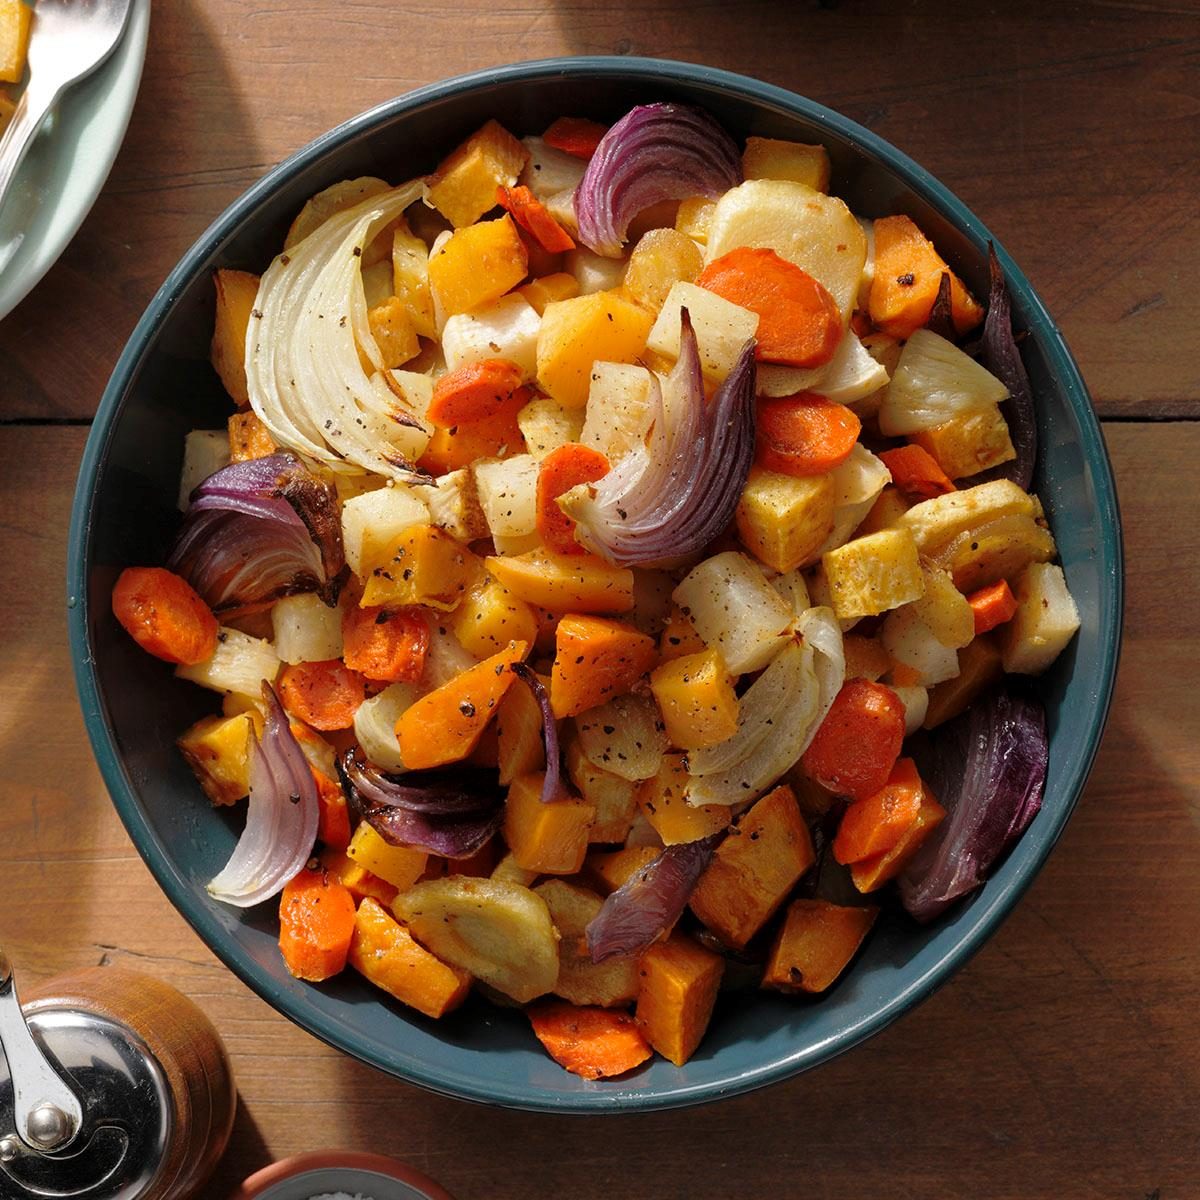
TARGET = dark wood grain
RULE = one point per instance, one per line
(1062, 1061)
(1072, 129)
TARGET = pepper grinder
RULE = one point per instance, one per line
(117, 1088)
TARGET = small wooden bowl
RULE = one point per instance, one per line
(306, 1175)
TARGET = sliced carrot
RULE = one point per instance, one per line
(908, 273)
(560, 471)
(445, 724)
(333, 827)
(164, 615)
(460, 445)
(857, 744)
(993, 606)
(873, 872)
(533, 216)
(593, 1043)
(805, 434)
(576, 136)
(916, 472)
(385, 644)
(876, 823)
(325, 694)
(476, 392)
(316, 925)
(799, 324)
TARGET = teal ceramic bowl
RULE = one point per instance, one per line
(125, 513)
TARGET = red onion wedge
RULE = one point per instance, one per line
(673, 496)
(988, 770)
(259, 530)
(655, 152)
(282, 818)
(649, 903)
(553, 787)
(453, 814)
(1001, 355)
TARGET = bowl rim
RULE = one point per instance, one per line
(991, 906)
(297, 1166)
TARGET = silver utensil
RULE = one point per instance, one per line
(70, 39)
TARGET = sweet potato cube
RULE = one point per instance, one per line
(518, 728)
(754, 868)
(490, 617)
(580, 980)
(769, 158)
(384, 951)
(663, 800)
(15, 21)
(576, 333)
(784, 520)
(424, 565)
(355, 878)
(249, 437)
(393, 331)
(218, 751)
(464, 186)
(699, 706)
(401, 866)
(679, 985)
(477, 265)
(559, 583)
(872, 574)
(551, 839)
(979, 666)
(236, 293)
(595, 659)
(608, 870)
(815, 943)
(549, 288)
(612, 797)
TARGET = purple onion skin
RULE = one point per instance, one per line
(655, 152)
(649, 903)
(987, 768)
(1001, 355)
(553, 787)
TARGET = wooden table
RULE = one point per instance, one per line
(1063, 1061)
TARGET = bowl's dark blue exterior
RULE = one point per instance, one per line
(124, 513)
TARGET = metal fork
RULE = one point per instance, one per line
(70, 39)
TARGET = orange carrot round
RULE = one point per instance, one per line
(475, 392)
(533, 216)
(799, 324)
(326, 695)
(385, 644)
(593, 1043)
(316, 925)
(858, 743)
(992, 606)
(333, 827)
(575, 136)
(560, 471)
(455, 446)
(916, 472)
(876, 823)
(804, 434)
(164, 615)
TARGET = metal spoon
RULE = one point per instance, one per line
(70, 39)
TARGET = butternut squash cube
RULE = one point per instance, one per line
(663, 800)
(754, 869)
(248, 437)
(410, 279)
(548, 289)
(581, 981)
(609, 870)
(236, 293)
(401, 866)
(385, 953)
(815, 943)
(679, 636)
(565, 583)
(218, 751)
(784, 520)
(576, 333)
(769, 158)
(490, 617)
(612, 797)
(595, 659)
(872, 574)
(551, 839)
(464, 186)
(15, 21)
(424, 565)
(372, 522)
(519, 748)
(394, 333)
(966, 445)
(698, 703)
(477, 265)
(679, 985)
(355, 878)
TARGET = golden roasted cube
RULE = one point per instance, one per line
(679, 985)
(218, 751)
(490, 617)
(15, 21)
(663, 800)
(612, 797)
(393, 331)
(698, 704)
(551, 839)
(694, 216)
(935, 522)
(549, 288)
(410, 279)
(873, 574)
(610, 869)
(249, 437)
(464, 186)
(815, 944)
(236, 293)
(424, 565)
(969, 444)
(401, 866)
(783, 520)
(769, 158)
(477, 264)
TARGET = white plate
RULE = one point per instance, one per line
(68, 163)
